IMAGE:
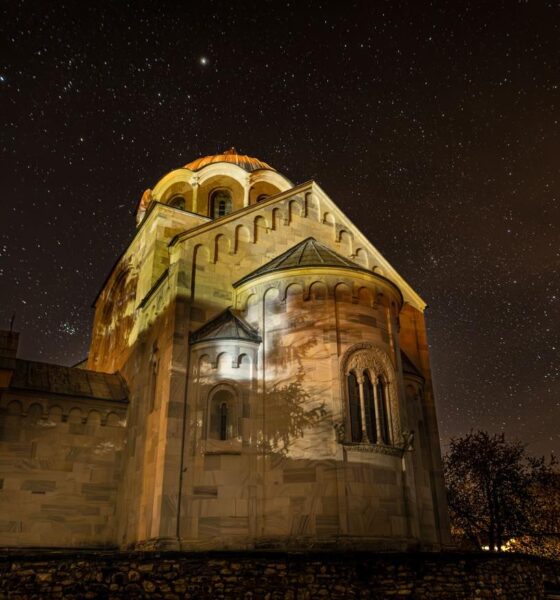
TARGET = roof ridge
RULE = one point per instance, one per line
(314, 246)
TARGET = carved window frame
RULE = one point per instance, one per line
(358, 359)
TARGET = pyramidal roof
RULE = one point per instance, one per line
(309, 253)
(226, 326)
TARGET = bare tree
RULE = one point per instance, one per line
(497, 493)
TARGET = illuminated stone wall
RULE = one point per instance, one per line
(61, 465)
(287, 474)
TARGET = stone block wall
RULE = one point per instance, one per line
(267, 575)
(272, 481)
(60, 460)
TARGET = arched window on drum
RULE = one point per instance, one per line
(221, 203)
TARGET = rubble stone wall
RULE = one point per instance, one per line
(258, 575)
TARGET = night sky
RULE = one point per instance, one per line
(436, 128)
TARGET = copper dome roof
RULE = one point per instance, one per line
(230, 156)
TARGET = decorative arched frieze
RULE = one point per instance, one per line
(14, 407)
(345, 239)
(276, 218)
(361, 258)
(114, 420)
(343, 292)
(312, 208)
(260, 228)
(288, 287)
(366, 296)
(294, 207)
(75, 415)
(93, 417)
(35, 412)
(222, 247)
(328, 219)
(242, 235)
(55, 414)
(318, 291)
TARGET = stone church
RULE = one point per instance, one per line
(258, 377)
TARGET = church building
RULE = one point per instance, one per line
(258, 377)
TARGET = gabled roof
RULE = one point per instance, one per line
(226, 326)
(409, 367)
(57, 379)
(309, 253)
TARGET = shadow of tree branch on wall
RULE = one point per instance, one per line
(290, 411)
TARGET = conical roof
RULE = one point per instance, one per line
(225, 326)
(309, 253)
(229, 156)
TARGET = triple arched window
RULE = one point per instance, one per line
(368, 409)
(221, 203)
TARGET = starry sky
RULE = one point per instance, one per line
(434, 126)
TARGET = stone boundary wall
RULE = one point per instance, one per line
(274, 576)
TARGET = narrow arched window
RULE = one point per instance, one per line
(221, 203)
(223, 420)
(354, 408)
(178, 202)
(383, 412)
(153, 378)
(222, 416)
(369, 402)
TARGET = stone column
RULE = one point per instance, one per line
(365, 438)
(377, 401)
(194, 184)
(246, 189)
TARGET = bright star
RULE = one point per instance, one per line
(203, 60)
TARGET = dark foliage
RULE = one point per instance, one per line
(500, 497)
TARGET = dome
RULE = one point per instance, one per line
(229, 156)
